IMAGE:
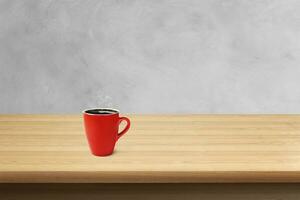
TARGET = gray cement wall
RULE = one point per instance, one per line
(150, 56)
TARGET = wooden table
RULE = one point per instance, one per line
(166, 149)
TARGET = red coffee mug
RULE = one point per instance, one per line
(102, 129)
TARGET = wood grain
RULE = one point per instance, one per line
(158, 148)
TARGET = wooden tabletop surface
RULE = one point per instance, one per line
(157, 148)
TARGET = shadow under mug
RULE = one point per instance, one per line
(102, 129)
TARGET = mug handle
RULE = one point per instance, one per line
(126, 128)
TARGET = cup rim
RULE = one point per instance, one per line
(112, 109)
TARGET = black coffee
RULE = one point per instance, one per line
(101, 111)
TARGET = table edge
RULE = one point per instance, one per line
(151, 177)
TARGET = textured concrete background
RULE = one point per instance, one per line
(151, 56)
